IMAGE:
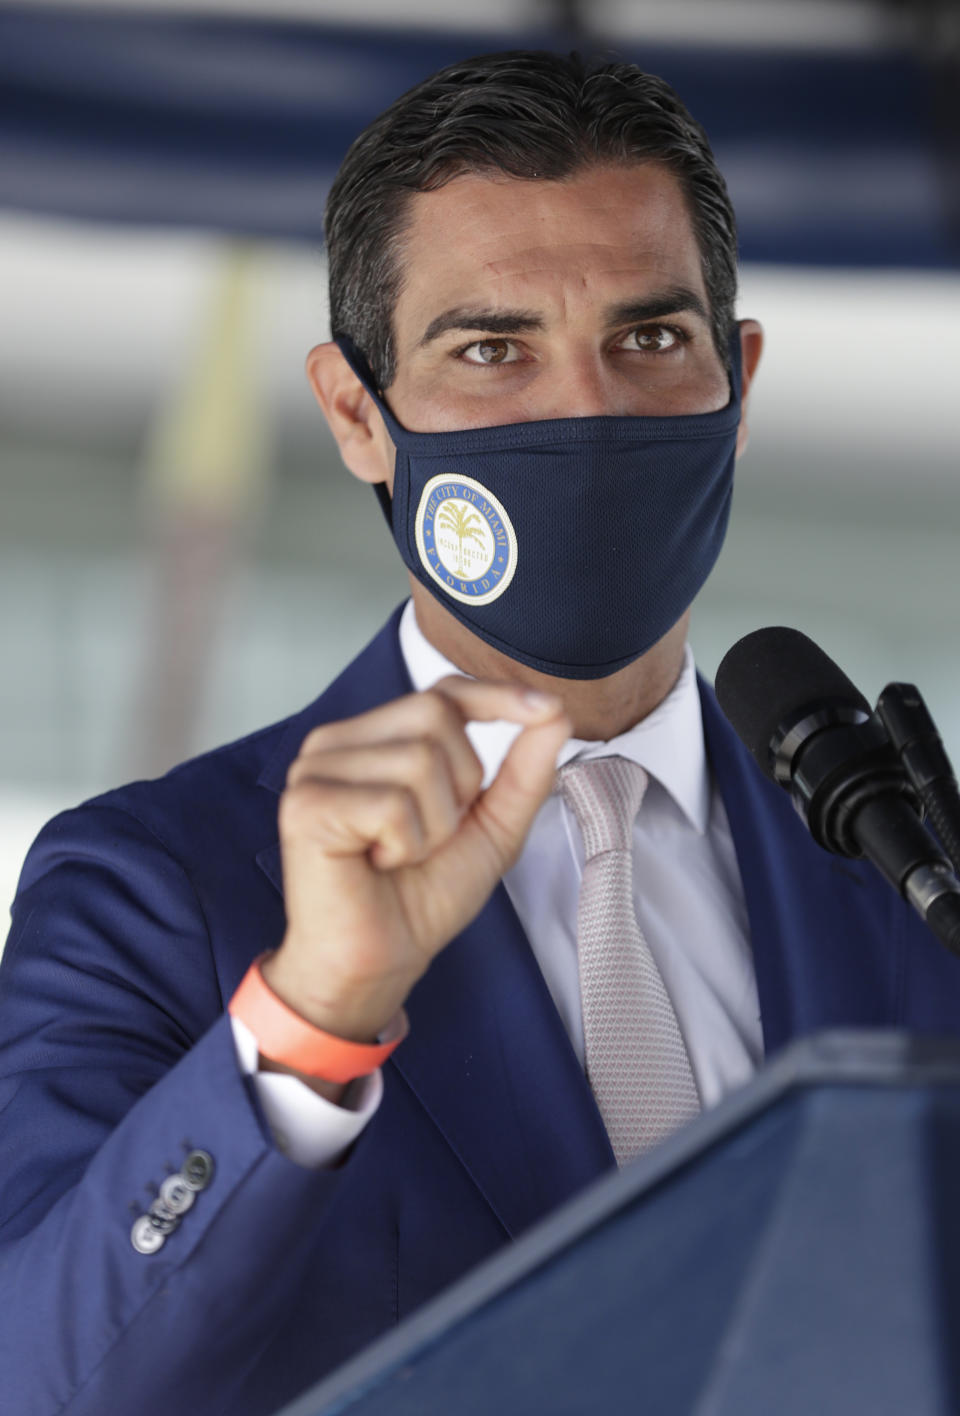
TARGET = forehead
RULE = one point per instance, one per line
(605, 231)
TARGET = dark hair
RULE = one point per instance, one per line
(529, 114)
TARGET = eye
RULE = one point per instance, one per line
(489, 351)
(653, 339)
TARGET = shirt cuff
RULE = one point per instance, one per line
(310, 1130)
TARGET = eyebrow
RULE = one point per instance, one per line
(491, 321)
(656, 306)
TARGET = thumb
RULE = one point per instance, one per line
(505, 811)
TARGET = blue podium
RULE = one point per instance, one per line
(794, 1252)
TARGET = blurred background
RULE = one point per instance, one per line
(182, 558)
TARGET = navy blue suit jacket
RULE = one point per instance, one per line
(136, 918)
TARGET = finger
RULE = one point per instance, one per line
(485, 700)
(491, 834)
(503, 707)
(506, 810)
(350, 819)
(452, 700)
(427, 717)
(420, 764)
(439, 713)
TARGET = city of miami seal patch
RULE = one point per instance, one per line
(465, 540)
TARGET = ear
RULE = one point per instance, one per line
(751, 347)
(353, 416)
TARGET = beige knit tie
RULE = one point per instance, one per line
(636, 1061)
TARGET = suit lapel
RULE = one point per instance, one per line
(814, 967)
(487, 1055)
(490, 1060)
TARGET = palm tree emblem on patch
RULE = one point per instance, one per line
(465, 525)
(464, 538)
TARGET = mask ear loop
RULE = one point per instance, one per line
(386, 503)
(358, 363)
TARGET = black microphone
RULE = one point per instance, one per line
(811, 731)
(912, 731)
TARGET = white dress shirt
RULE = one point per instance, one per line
(687, 892)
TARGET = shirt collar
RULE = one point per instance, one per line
(668, 743)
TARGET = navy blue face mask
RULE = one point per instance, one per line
(571, 544)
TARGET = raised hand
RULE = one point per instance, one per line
(390, 846)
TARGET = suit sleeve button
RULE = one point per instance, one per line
(177, 1194)
(162, 1217)
(197, 1170)
(144, 1237)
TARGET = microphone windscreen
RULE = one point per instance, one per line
(770, 678)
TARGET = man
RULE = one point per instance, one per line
(532, 271)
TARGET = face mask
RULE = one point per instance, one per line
(571, 544)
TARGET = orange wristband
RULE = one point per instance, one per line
(283, 1036)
